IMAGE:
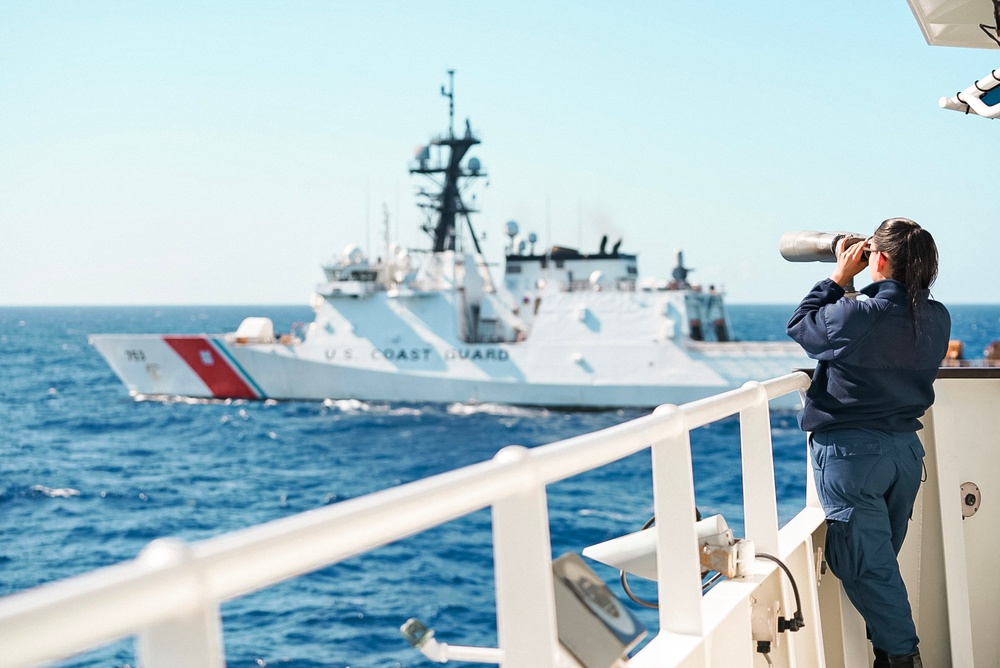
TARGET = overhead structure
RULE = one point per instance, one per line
(971, 24)
(965, 23)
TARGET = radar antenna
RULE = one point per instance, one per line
(450, 94)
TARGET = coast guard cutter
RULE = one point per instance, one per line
(562, 328)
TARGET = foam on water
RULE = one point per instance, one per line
(497, 409)
(352, 406)
(53, 493)
(347, 405)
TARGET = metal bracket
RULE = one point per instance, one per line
(820, 565)
(971, 498)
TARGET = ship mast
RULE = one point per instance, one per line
(448, 202)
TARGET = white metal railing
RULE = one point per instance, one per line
(169, 596)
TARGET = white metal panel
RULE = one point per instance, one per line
(759, 503)
(955, 22)
(966, 424)
(526, 609)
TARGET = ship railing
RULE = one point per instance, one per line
(169, 596)
(627, 285)
(971, 364)
(348, 288)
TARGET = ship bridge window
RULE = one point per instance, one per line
(632, 271)
(513, 269)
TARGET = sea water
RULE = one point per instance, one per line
(90, 476)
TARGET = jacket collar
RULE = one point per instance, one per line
(889, 289)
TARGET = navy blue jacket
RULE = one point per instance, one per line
(871, 371)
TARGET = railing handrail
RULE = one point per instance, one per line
(171, 579)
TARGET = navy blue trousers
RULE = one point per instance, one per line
(867, 482)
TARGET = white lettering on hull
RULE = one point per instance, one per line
(478, 354)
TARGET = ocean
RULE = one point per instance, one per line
(89, 477)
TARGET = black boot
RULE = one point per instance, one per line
(881, 658)
(908, 661)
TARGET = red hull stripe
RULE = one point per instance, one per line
(212, 367)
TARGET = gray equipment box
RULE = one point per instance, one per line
(593, 624)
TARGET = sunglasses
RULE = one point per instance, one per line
(867, 252)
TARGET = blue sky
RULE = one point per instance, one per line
(218, 153)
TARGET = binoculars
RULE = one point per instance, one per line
(807, 246)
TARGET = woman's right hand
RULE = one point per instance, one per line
(850, 261)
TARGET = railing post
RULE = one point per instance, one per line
(678, 565)
(760, 507)
(522, 562)
(194, 639)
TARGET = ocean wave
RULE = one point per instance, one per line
(405, 410)
(353, 406)
(60, 492)
(191, 401)
(501, 410)
(347, 405)
(608, 515)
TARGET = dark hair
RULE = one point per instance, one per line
(914, 257)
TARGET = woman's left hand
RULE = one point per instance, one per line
(851, 261)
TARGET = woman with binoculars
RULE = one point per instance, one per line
(877, 359)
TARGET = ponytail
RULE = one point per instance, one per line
(914, 257)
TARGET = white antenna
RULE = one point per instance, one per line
(579, 222)
(385, 229)
(387, 262)
(368, 216)
(548, 218)
(450, 94)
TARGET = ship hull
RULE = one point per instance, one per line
(207, 366)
